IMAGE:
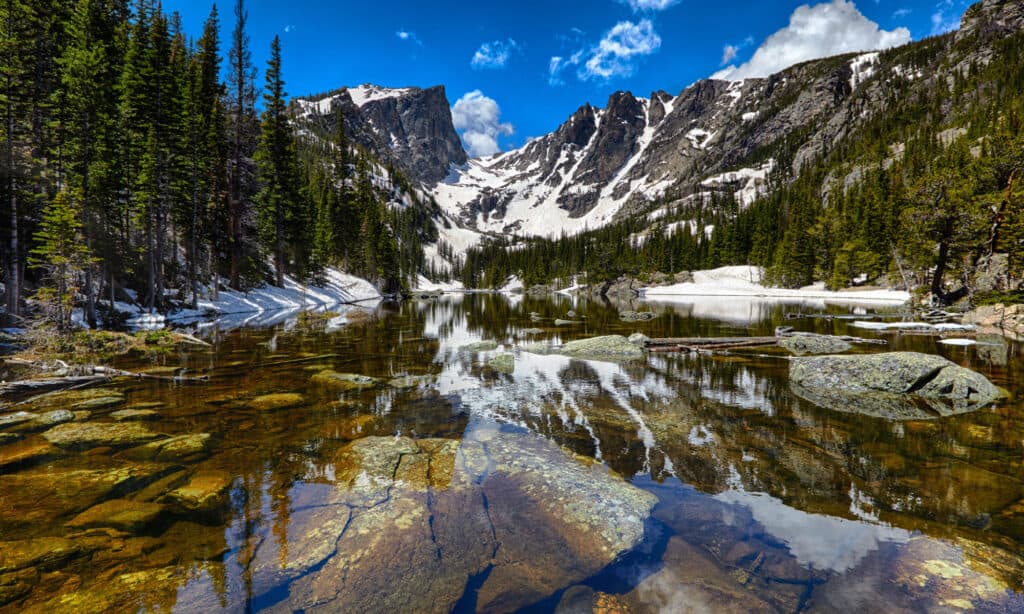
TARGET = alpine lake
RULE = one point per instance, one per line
(389, 458)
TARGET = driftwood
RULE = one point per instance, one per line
(50, 384)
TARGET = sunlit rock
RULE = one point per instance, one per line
(344, 382)
(93, 434)
(122, 514)
(274, 402)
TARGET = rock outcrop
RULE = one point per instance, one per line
(410, 128)
(1006, 320)
(385, 535)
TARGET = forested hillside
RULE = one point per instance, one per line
(133, 172)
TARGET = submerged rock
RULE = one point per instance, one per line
(44, 553)
(99, 402)
(29, 451)
(274, 402)
(504, 363)
(814, 344)
(479, 346)
(205, 494)
(94, 434)
(411, 381)
(610, 346)
(407, 523)
(637, 316)
(121, 514)
(172, 449)
(344, 381)
(18, 417)
(126, 415)
(895, 385)
(42, 494)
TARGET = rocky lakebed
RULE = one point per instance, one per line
(532, 453)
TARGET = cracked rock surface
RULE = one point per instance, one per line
(406, 524)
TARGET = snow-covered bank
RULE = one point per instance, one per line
(265, 303)
(745, 281)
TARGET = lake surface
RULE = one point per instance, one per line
(675, 483)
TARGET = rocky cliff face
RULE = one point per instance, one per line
(409, 128)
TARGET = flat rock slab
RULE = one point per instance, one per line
(344, 382)
(205, 494)
(44, 553)
(129, 415)
(172, 449)
(43, 494)
(77, 435)
(407, 522)
(121, 514)
(274, 402)
(28, 451)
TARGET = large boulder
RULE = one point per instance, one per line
(610, 346)
(895, 385)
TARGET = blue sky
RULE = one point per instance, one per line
(527, 65)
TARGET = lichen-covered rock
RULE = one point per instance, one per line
(344, 382)
(276, 401)
(16, 418)
(121, 514)
(814, 344)
(561, 322)
(610, 346)
(895, 385)
(504, 363)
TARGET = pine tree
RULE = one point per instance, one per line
(62, 256)
(241, 78)
(280, 205)
(17, 22)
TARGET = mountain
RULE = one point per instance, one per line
(408, 128)
(706, 159)
(723, 137)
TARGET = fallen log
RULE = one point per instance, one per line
(708, 341)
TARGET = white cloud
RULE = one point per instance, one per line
(640, 6)
(942, 21)
(823, 30)
(558, 64)
(494, 54)
(729, 53)
(405, 35)
(289, 29)
(616, 54)
(479, 120)
(901, 13)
